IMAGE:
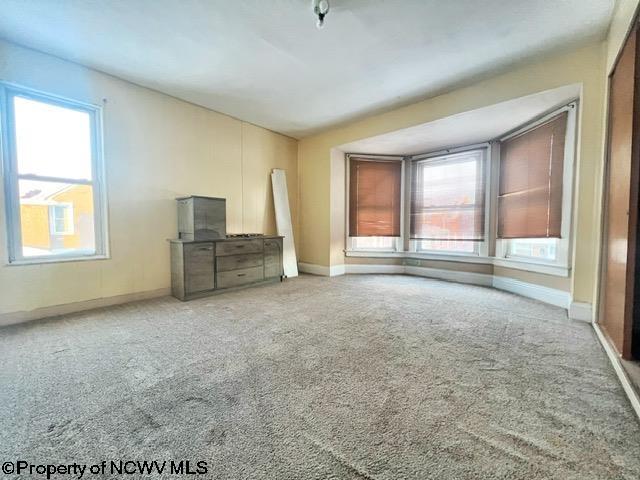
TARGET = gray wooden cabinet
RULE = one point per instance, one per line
(201, 218)
(205, 267)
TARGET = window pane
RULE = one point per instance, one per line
(450, 183)
(52, 141)
(374, 197)
(531, 175)
(447, 245)
(448, 198)
(374, 243)
(451, 223)
(56, 218)
(537, 248)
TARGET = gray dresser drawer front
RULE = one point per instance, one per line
(237, 262)
(254, 245)
(198, 267)
(236, 278)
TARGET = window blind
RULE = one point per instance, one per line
(374, 198)
(448, 198)
(530, 191)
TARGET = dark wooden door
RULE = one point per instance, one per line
(621, 201)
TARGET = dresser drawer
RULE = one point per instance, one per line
(234, 247)
(236, 278)
(237, 262)
(198, 267)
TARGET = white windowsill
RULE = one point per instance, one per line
(40, 261)
(545, 268)
(374, 253)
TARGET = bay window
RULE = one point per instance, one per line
(511, 196)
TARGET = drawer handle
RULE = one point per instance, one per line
(205, 248)
(241, 274)
(240, 246)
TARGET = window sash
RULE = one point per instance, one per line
(564, 242)
(366, 214)
(12, 176)
(478, 206)
(394, 244)
(531, 181)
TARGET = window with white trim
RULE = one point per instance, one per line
(554, 249)
(448, 203)
(54, 188)
(375, 203)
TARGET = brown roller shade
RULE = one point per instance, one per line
(447, 198)
(531, 171)
(374, 198)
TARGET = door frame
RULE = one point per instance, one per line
(631, 308)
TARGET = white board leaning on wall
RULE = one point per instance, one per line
(283, 221)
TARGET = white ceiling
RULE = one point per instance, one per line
(265, 61)
(466, 128)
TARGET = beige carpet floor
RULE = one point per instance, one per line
(353, 377)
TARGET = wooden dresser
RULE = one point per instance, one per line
(205, 267)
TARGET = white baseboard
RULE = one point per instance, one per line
(52, 311)
(451, 275)
(442, 274)
(548, 295)
(552, 296)
(336, 270)
(314, 269)
(581, 311)
(617, 366)
(361, 268)
(321, 270)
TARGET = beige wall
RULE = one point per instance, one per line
(338, 206)
(551, 281)
(453, 266)
(156, 148)
(584, 66)
(373, 261)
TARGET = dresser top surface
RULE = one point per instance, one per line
(200, 196)
(228, 239)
